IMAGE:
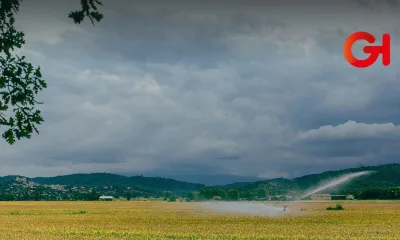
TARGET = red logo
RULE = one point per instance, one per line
(373, 51)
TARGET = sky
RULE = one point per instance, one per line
(250, 88)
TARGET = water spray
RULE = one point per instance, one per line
(331, 183)
(335, 182)
(266, 209)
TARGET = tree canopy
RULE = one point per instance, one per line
(20, 81)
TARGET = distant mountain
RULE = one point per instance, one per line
(381, 177)
(215, 180)
(103, 179)
(8, 178)
(233, 185)
(239, 185)
(273, 186)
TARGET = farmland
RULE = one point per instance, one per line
(162, 220)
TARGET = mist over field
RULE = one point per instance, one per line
(257, 209)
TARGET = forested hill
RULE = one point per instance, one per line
(382, 176)
(107, 179)
(8, 178)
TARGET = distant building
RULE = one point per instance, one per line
(349, 197)
(342, 197)
(338, 197)
(18, 179)
(106, 198)
(321, 197)
(216, 198)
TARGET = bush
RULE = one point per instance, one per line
(172, 199)
(337, 207)
(79, 212)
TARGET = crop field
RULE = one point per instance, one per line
(162, 220)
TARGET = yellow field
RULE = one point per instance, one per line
(161, 220)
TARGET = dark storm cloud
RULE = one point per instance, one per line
(375, 3)
(352, 140)
(152, 33)
(232, 87)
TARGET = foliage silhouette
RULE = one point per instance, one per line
(20, 81)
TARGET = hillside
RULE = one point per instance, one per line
(382, 183)
(233, 185)
(215, 180)
(8, 178)
(382, 177)
(274, 186)
(104, 179)
(22, 189)
(90, 187)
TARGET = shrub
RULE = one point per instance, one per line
(172, 199)
(337, 207)
(79, 212)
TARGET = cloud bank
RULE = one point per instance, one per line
(208, 87)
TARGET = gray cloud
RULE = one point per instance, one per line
(210, 87)
(351, 139)
(351, 130)
(374, 3)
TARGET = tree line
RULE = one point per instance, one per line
(13, 192)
